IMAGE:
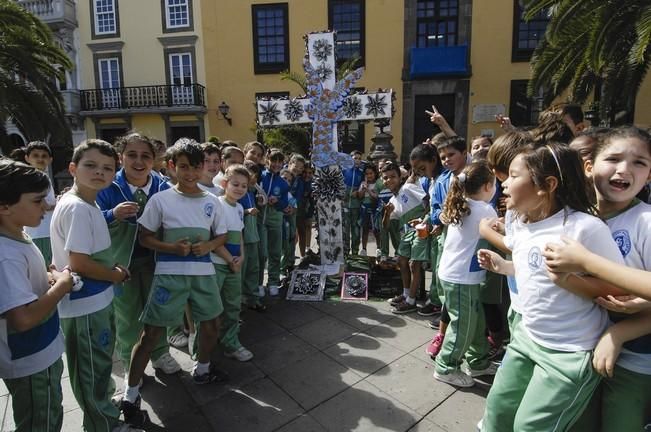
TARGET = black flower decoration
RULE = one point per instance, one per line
(355, 286)
(293, 110)
(328, 185)
(269, 113)
(322, 49)
(375, 105)
(323, 71)
(352, 107)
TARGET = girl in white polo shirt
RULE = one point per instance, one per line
(546, 378)
(460, 275)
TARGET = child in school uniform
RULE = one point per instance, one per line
(81, 241)
(231, 155)
(408, 206)
(305, 212)
(251, 264)
(368, 194)
(31, 342)
(39, 155)
(271, 220)
(295, 166)
(351, 203)
(121, 203)
(180, 224)
(388, 234)
(461, 277)
(212, 161)
(228, 260)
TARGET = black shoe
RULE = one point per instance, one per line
(133, 415)
(213, 375)
(435, 322)
(429, 309)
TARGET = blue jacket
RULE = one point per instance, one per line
(297, 189)
(248, 200)
(275, 185)
(124, 244)
(438, 195)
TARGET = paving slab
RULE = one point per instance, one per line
(279, 352)
(324, 332)
(426, 426)
(363, 354)
(401, 333)
(363, 315)
(260, 406)
(410, 381)
(257, 327)
(292, 314)
(314, 379)
(364, 407)
(461, 411)
(305, 423)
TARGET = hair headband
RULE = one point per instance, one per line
(558, 165)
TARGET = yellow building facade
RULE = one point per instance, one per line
(142, 67)
(248, 43)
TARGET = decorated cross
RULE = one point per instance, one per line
(327, 102)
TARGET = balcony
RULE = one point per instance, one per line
(439, 61)
(55, 13)
(144, 99)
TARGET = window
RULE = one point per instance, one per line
(177, 15)
(436, 22)
(346, 17)
(105, 18)
(109, 81)
(527, 34)
(270, 38)
(181, 78)
(523, 110)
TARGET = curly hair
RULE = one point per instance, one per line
(469, 182)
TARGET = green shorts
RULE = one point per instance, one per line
(413, 247)
(170, 293)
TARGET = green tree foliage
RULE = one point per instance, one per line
(593, 45)
(30, 61)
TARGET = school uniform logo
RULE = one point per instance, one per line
(534, 259)
(404, 198)
(623, 240)
(162, 295)
(276, 191)
(105, 338)
(208, 209)
(240, 214)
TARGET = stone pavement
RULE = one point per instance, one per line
(326, 366)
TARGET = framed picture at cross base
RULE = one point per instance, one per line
(354, 286)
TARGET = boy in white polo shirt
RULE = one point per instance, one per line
(188, 218)
(81, 241)
(31, 342)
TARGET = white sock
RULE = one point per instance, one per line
(411, 300)
(405, 292)
(131, 393)
(201, 368)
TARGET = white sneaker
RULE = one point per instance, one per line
(362, 252)
(480, 424)
(261, 292)
(273, 290)
(191, 338)
(241, 354)
(179, 340)
(126, 428)
(166, 364)
(456, 378)
(490, 370)
(378, 254)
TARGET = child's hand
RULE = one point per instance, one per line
(273, 200)
(491, 261)
(120, 274)
(183, 247)
(389, 208)
(253, 211)
(412, 223)
(568, 256)
(63, 278)
(289, 210)
(125, 210)
(606, 353)
(628, 304)
(504, 122)
(436, 118)
(437, 230)
(201, 248)
(236, 264)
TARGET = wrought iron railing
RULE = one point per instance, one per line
(156, 96)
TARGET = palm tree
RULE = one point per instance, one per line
(30, 61)
(599, 46)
